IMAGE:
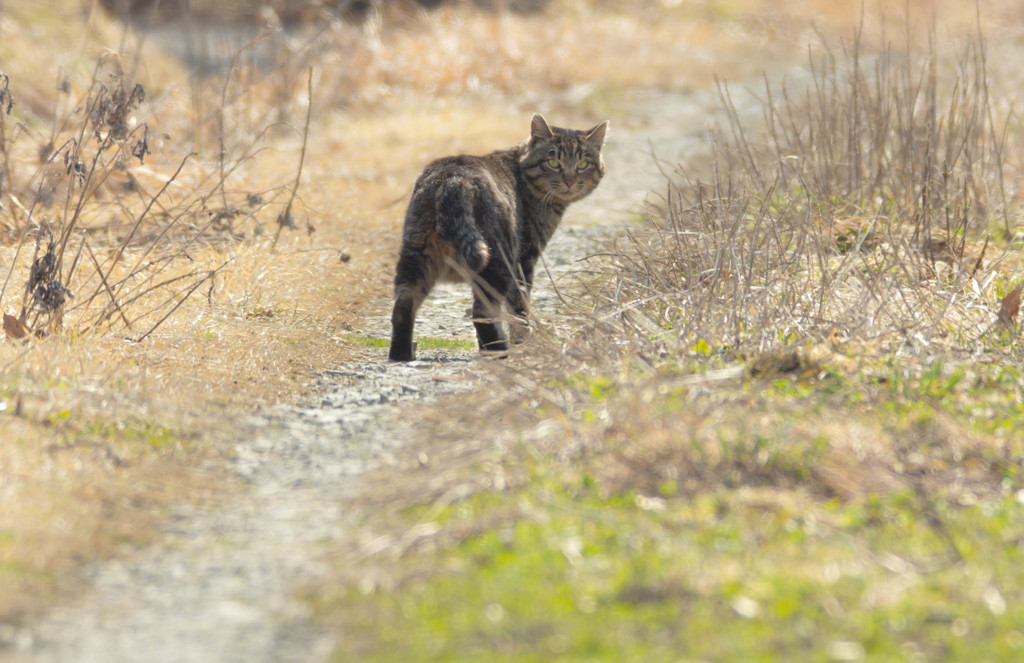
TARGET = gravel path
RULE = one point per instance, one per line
(218, 587)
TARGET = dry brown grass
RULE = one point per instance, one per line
(868, 211)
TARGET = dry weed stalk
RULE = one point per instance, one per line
(285, 219)
(124, 275)
(6, 105)
(854, 211)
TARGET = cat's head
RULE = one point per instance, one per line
(563, 164)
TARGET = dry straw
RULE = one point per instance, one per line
(863, 208)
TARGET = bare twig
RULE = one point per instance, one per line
(285, 218)
(106, 286)
(182, 298)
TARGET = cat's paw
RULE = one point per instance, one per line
(518, 330)
(400, 352)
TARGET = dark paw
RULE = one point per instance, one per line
(519, 330)
(398, 353)
(495, 349)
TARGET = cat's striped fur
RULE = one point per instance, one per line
(487, 219)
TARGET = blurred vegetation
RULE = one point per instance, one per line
(290, 11)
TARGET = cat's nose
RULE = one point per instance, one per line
(569, 179)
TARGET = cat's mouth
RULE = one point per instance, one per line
(571, 190)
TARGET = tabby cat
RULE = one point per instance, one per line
(486, 219)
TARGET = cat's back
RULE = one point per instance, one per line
(497, 167)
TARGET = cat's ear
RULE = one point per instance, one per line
(596, 135)
(539, 127)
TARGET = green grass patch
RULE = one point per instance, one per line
(856, 518)
(716, 578)
(422, 343)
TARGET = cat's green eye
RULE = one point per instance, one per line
(582, 165)
(555, 163)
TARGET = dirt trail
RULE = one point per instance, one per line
(218, 587)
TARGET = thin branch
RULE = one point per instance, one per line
(106, 286)
(195, 286)
(285, 218)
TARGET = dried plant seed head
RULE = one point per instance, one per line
(140, 148)
(286, 220)
(48, 293)
(73, 166)
(111, 110)
(6, 98)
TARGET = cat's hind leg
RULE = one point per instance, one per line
(402, 318)
(487, 320)
(488, 289)
(413, 282)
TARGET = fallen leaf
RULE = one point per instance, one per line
(1009, 308)
(14, 328)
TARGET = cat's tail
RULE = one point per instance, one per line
(455, 224)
